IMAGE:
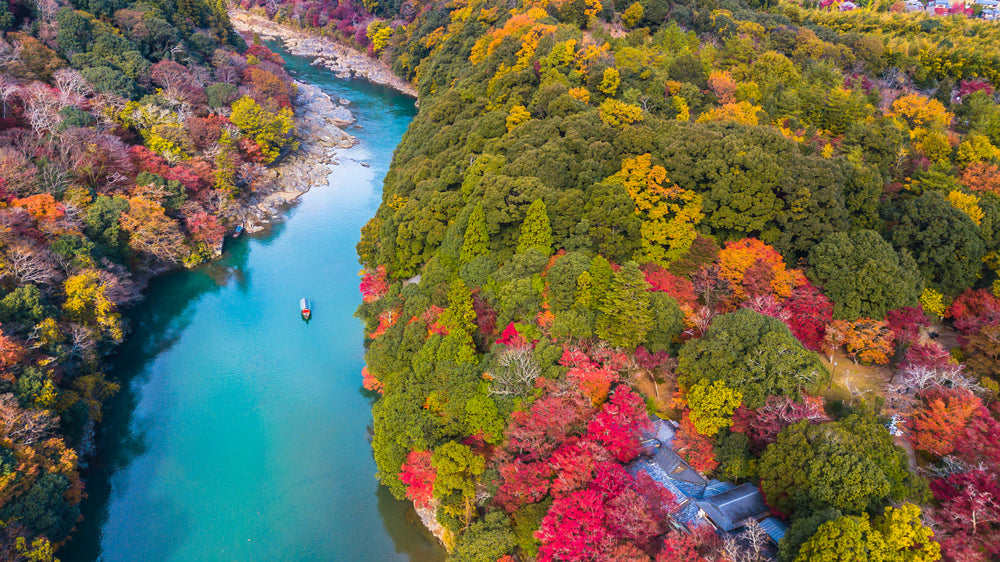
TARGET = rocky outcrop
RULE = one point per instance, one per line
(429, 518)
(317, 129)
(341, 60)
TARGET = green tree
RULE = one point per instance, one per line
(863, 275)
(482, 417)
(42, 509)
(897, 536)
(24, 307)
(626, 317)
(614, 225)
(536, 233)
(736, 459)
(459, 315)
(75, 34)
(6, 17)
(754, 353)
(754, 182)
(457, 468)
(668, 322)
(103, 225)
(477, 239)
(490, 538)
(851, 465)
(562, 278)
(944, 242)
(221, 94)
(597, 284)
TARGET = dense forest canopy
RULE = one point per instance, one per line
(129, 133)
(752, 219)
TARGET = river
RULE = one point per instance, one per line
(241, 431)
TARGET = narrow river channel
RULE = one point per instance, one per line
(240, 431)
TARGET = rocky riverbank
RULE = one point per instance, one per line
(341, 60)
(318, 122)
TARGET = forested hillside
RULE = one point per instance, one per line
(128, 132)
(774, 224)
(674, 208)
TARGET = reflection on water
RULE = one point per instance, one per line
(240, 432)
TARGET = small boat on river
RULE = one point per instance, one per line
(238, 231)
(306, 307)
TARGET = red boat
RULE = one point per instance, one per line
(306, 308)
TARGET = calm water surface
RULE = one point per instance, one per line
(240, 432)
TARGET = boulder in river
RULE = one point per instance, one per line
(341, 116)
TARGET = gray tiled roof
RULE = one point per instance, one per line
(730, 508)
(676, 468)
(775, 528)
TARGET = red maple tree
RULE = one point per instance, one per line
(969, 512)
(374, 284)
(619, 424)
(418, 474)
(523, 483)
(573, 528)
(907, 322)
(763, 424)
(809, 313)
(974, 309)
(941, 421)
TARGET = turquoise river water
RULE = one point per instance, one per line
(240, 432)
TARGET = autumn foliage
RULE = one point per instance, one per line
(694, 447)
(867, 341)
(418, 475)
(969, 512)
(809, 312)
(753, 268)
(763, 425)
(974, 309)
(374, 284)
(940, 423)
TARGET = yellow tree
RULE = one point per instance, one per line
(743, 112)
(968, 204)
(518, 115)
(87, 303)
(920, 115)
(619, 114)
(669, 213)
(610, 81)
(712, 405)
(152, 231)
(271, 131)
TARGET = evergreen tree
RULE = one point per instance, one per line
(460, 314)
(754, 353)
(863, 275)
(627, 316)
(943, 240)
(477, 240)
(536, 233)
(600, 280)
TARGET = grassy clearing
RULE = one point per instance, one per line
(852, 381)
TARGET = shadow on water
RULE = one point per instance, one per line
(404, 526)
(157, 323)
